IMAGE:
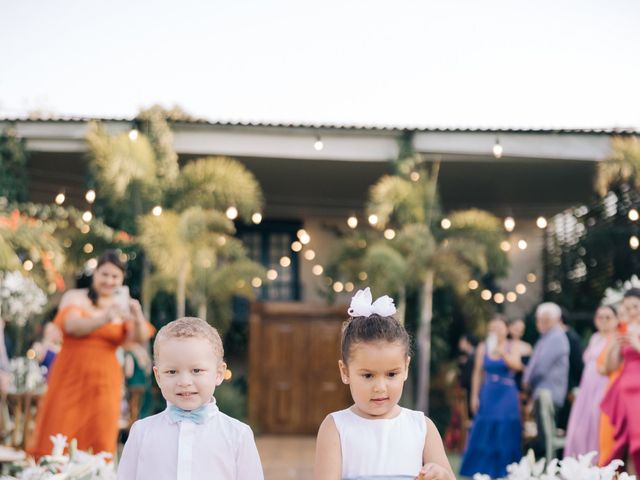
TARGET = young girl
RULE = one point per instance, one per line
(375, 437)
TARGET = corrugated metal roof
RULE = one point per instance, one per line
(328, 126)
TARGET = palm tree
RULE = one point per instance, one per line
(434, 256)
(191, 245)
(622, 166)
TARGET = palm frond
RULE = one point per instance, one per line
(218, 183)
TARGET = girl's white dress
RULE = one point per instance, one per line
(390, 447)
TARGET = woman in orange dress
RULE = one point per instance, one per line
(85, 383)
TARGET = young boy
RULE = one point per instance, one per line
(191, 439)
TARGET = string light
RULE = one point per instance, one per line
(87, 216)
(88, 248)
(473, 284)
(338, 287)
(232, 213)
(256, 282)
(85, 228)
(362, 276)
(309, 254)
(317, 270)
(633, 215)
(285, 261)
(92, 263)
(373, 219)
(541, 222)
(352, 221)
(505, 246)
(349, 287)
(445, 223)
(414, 176)
(521, 289)
(522, 244)
(531, 277)
(157, 210)
(318, 145)
(90, 196)
(486, 294)
(498, 298)
(497, 149)
(296, 246)
(60, 198)
(133, 134)
(272, 274)
(28, 265)
(634, 242)
(509, 224)
(256, 218)
(389, 234)
(511, 297)
(303, 236)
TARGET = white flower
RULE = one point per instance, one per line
(59, 443)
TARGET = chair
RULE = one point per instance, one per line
(553, 441)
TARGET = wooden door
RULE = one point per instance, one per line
(293, 369)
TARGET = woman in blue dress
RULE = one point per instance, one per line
(496, 434)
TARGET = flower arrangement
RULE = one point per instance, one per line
(20, 298)
(569, 468)
(76, 465)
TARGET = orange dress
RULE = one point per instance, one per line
(607, 429)
(84, 390)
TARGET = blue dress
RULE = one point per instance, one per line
(495, 440)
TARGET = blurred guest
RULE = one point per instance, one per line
(584, 422)
(606, 435)
(516, 332)
(623, 397)
(85, 384)
(576, 366)
(549, 365)
(466, 362)
(494, 440)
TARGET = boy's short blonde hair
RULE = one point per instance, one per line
(188, 327)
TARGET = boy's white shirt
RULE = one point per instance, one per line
(159, 448)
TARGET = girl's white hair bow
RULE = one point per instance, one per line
(361, 305)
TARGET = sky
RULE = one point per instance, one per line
(405, 63)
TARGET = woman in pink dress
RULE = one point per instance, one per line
(584, 422)
(623, 397)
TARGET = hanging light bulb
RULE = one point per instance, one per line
(352, 221)
(445, 223)
(60, 198)
(317, 270)
(498, 298)
(133, 134)
(318, 145)
(541, 222)
(232, 213)
(256, 218)
(497, 149)
(157, 211)
(522, 244)
(633, 215)
(90, 196)
(486, 294)
(509, 224)
(373, 219)
(634, 242)
(87, 216)
(389, 234)
(473, 284)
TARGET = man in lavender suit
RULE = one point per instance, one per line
(549, 364)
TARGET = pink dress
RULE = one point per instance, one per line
(584, 422)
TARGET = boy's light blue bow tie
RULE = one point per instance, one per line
(199, 415)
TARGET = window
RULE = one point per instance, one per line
(267, 244)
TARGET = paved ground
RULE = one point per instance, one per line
(287, 457)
